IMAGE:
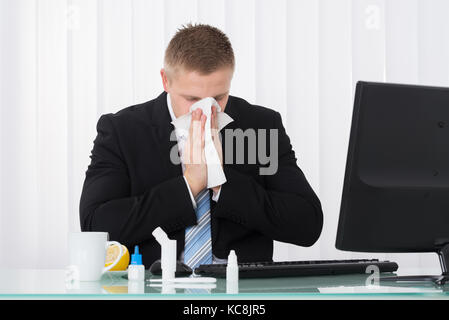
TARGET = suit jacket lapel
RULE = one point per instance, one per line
(229, 109)
(163, 130)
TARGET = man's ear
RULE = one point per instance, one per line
(164, 80)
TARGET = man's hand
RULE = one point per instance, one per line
(193, 157)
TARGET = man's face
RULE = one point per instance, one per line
(187, 87)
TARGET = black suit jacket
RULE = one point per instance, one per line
(132, 187)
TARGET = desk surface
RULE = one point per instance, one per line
(44, 283)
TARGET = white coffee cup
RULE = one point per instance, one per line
(87, 255)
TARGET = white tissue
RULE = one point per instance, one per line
(215, 174)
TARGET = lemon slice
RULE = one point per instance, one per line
(112, 253)
(116, 289)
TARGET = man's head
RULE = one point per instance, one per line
(199, 63)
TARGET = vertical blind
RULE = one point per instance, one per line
(64, 63)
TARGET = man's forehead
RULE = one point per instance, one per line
(219, 76)
(192, 85)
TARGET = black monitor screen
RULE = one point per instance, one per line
(396, 188)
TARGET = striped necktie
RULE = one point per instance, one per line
(198, 243)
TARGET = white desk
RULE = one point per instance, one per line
(52, 284)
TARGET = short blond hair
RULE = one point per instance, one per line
(201, 48)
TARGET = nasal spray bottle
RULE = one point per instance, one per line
(168, 254)
(136, 270)
(232, 274)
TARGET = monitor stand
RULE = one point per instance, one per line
(443, 254)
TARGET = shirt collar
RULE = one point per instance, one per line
(170, 108)
(180, 135)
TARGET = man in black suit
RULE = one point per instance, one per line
(133, 185)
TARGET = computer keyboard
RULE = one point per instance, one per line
(298, 268)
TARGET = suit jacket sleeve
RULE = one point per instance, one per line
(285, 209)
(106, 203)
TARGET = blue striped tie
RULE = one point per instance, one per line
(198, 244)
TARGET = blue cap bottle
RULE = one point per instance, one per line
(136, 258)
(136, 270)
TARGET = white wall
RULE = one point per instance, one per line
(64, 63)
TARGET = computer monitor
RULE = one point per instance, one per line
(396, 187)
